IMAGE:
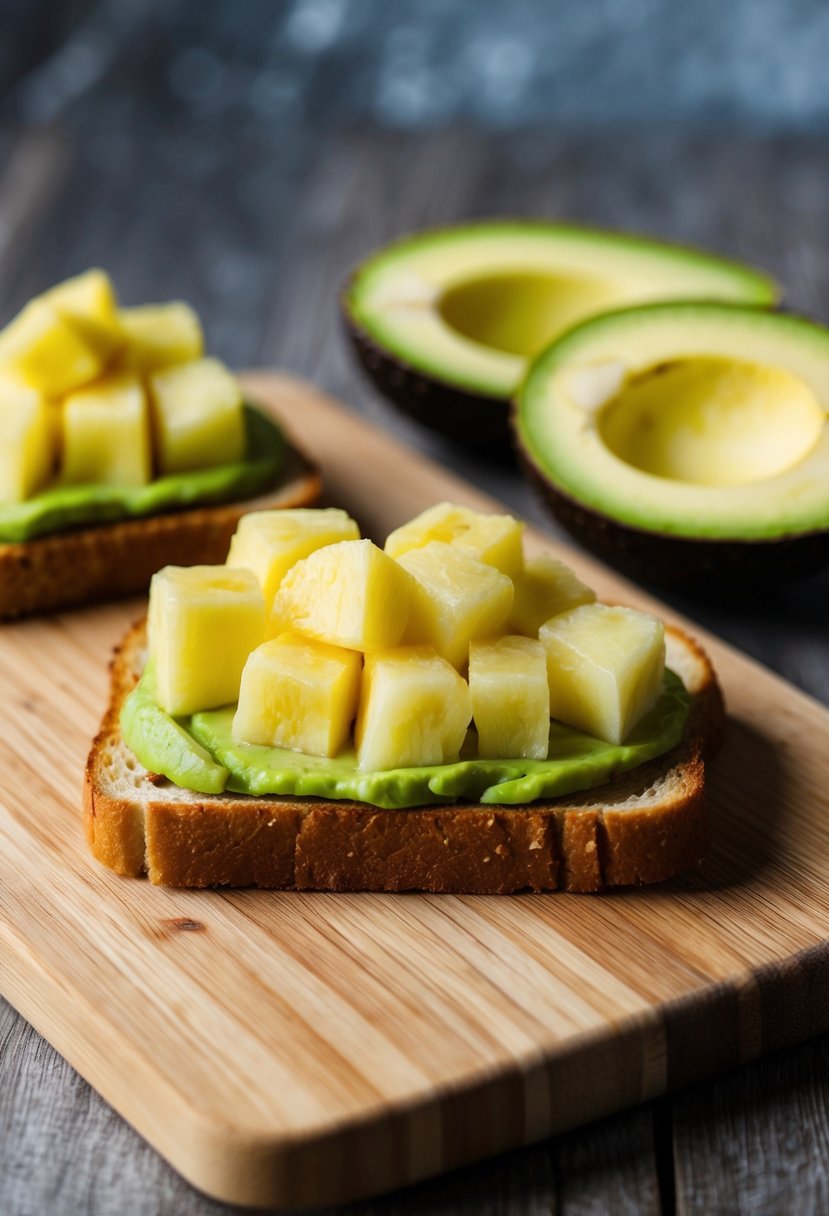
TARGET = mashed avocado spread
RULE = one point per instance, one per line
(199, 753)
(61, 507)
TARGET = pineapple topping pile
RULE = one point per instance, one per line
(321, 638)
(94, 394)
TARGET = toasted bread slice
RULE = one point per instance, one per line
(108, 561)
(641, 828)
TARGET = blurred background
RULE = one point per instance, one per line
(245, 154)
(757, 64)
(196, 146)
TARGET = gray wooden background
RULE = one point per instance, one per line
(255, 211)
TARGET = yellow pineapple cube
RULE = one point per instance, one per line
(456, 599)
(495, 540)
(198, 417)
(270, 542)
(510, 697)
(106, 434)
(414, 710)
(88, 303)
(27, 440)
(348, 594)
(50, 350)
(160, 335)
(90, 299)
(605, 667)
(299, 694)
(546, 588)
(204, 621)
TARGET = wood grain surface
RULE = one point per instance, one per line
(284, 1048)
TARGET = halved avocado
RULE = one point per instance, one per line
(446, 321)
(688, 443)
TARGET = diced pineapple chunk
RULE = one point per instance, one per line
(456, 599)
(106, 434)
(546, 588)
(87, 297)
(160, 335)
(27, 440)
(197, 410)
(348, 594)
(414, 710)
(88, 302)
(605, 668)
(52, 351)
(270, 542)
(510, 697)
(299, 694)
(495, 540)
(204, 621)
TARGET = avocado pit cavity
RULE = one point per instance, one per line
(712, 421)
(519, 313)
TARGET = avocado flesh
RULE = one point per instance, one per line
(469, 306)
(694, 420)
(716, 422)
(165, 746)
(520, 314)
(59, 508)
(200, 753)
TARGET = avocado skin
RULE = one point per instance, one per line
(464, 417)
(699, 566)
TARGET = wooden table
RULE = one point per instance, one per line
(258, 233)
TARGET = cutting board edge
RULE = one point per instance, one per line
(382, 1149)
(545, 1093)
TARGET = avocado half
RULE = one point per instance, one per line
(446, 322)
(687, 443)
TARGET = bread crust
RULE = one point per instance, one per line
(580, 843)
(109, 561)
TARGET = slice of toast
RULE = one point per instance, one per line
(640, 828)
(109, 561)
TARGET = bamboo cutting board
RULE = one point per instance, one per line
(284, 1048)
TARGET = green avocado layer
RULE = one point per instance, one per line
(199, 753)
(59, 508)
(164, 745)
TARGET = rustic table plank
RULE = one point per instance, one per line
(756, 1143)
(63, 1149)
(259, 236)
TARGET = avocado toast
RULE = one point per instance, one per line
(122, 448)
(258, 793)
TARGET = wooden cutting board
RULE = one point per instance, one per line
(283, 1048)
